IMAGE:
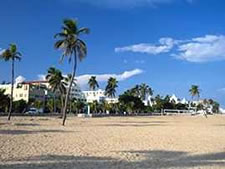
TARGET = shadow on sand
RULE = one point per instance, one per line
(18, 132)
(134, 124)
(151, 159)
(26, 124)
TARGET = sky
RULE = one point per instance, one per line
(167, 44)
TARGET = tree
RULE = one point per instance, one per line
(68, 79)
(78, 106)
(131, 103)
(73, 47)
(93, 84)
(110, 89)
(38, 104)
(194, 91)
(11, 54)
(20, 106)
(142, 91)
(5, 100)
(56, 82)
(145, 91)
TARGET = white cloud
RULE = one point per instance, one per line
(202, 49)
(83, 79)
(41, 77)
(222, 90)
(20, 79)
(165, 45)
(127, 3)
(1, 50)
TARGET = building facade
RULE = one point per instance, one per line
(25, 91)
(99, 96)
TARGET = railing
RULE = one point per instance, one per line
(167, 111)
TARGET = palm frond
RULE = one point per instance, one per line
(83, 30)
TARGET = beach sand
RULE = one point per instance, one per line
(113, 142)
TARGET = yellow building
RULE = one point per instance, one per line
(26, 91)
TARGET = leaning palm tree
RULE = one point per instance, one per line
(194, 91)
(68, 79)
(11, 54)
(57, 84)
(110, 89)
(93, 83)
(73, 48)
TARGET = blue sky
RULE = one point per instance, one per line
(168, 44)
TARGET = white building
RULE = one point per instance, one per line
(221, 110)
(174, 99)
(77, 93)
(184, 101)
(98, 95)
(148, 101)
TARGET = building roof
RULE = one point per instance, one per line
(35, 81)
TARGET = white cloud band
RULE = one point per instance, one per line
(200, 49)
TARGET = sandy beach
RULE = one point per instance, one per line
(113, 142)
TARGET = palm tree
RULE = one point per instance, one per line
(68, 79)
(194, 91)
(145, 91)
(93, 84)
(110, 89)
(11, 54)
(56, 82)
(73, 47)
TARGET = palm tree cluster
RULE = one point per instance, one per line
(142, 91)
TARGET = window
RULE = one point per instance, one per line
(25, 87)
(21, 95)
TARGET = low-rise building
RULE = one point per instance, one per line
(99, 96)
(25, 91)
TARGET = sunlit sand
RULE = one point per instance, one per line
(113, 142)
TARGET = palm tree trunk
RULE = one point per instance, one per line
(69, 89)
(62, 101)
(12, 87)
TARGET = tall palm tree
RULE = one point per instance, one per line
(194, 91)
(56, 82)
(73, 47)
(110, 89)
(68, 79)
(11, 54)
(93, 83)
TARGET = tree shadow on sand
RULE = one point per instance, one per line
(26, 124)
(130, 125)
(18, 132)
(151, 159)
